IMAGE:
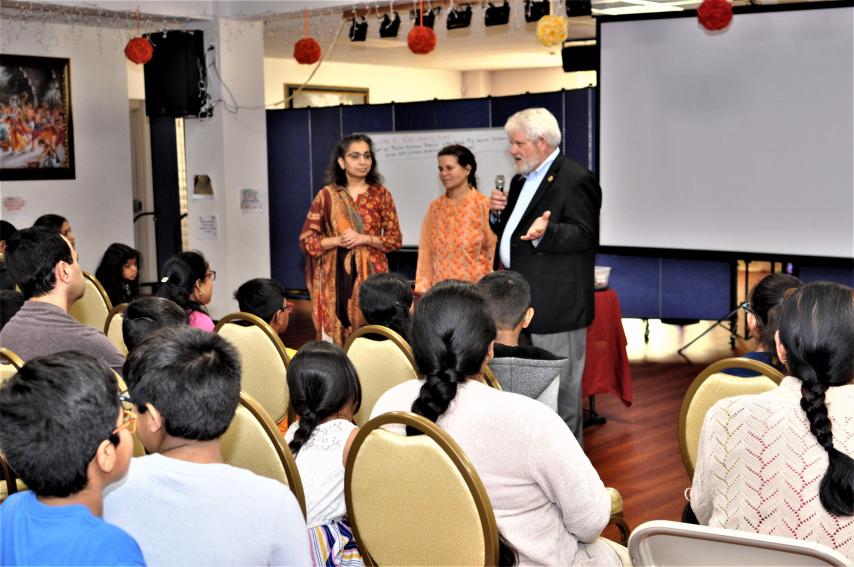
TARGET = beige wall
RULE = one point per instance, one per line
(386, 84)
(520, 81)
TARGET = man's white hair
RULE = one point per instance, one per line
(535, 123)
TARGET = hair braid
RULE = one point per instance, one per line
(306, 425)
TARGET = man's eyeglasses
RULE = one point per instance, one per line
(287, 306)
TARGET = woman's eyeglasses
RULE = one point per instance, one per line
(211, 275)
(128, 422)
(356, 155)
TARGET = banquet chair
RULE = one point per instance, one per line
(417, 500)
(10, 363)
(253, 442)
(113, 327)
(263, 361)
(380, 364)
(138, 448)
(710, 386)
(490, 379)
(662, 543)
(93, 308)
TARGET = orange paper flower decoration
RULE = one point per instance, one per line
(139, 50)
(421, 40)
(307, 51)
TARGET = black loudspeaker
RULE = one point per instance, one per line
(176, 75)
(578, 8)
(536, 9)
(579, 58)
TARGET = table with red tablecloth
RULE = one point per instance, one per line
(606, 368)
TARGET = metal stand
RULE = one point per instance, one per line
(591, 417)
(732, 330)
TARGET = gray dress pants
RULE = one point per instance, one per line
(571, 345)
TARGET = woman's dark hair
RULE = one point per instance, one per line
(321, 381)
(817, 331)
(7, 229)
(766, 298)
(464, 158)
(11, 302)
(335, 175)
(451, 333)
(109, 273)
(51, 221)
(180, 274)
(385, 300)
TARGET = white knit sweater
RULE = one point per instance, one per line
(759, 468)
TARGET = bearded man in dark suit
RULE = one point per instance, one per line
(548, 229)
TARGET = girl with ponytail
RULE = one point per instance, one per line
(780, 462)
(325, 393)
(548, 500)
(188, 281)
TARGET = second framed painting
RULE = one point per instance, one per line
(36, 133)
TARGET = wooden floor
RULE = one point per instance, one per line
(637, 450)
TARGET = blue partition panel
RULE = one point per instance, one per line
(367, 118)
(325, 133)
(290, 193)
(578, 126)
(415, 116)
(844, 276)
(471, 113)
(504, 106)
(637, 281)
(695, 289)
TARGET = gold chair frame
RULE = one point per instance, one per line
(386, 333)
(284, 453)
(490, 379)
(273, 337)
(12, 358)
(457, 456)
(118, 309)
(101, 291)
(736, 362)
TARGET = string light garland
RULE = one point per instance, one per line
(421, 39)
(715, 15)
(307, 50)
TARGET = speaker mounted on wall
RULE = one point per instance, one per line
(579, 57)
(176, 76)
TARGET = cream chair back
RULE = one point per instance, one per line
(263, 361)
(93, 308)
(253, 442)
(417, 500)
(710, 386)
(380, 364)
(113, 327)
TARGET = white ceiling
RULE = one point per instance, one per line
(512, 46)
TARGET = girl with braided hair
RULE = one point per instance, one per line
(779, 463)
(325, 393)
(548, 499)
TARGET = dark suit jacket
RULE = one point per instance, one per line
(560, 269)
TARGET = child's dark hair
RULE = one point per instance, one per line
(451, 333)
(145, 315)
(385, 300)
(191, 376)
(321, 381)
(180, 274)
(51, 222)
(508, 295)
(766, 298)
(109, 273)
(817, 331)
(54, 413)
(262, 297)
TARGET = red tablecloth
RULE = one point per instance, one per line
(606, 369)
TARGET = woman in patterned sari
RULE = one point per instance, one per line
(350, 226)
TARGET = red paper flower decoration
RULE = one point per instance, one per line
(421, 40)
(139, 50)
(714, 14)
(307, 51)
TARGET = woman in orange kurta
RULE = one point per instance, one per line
(456, 241)
(350, 226)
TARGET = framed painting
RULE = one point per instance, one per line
(317, 96)
(36, 135)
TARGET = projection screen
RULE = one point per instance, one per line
(734, 141)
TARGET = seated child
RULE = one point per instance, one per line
(265, 298)
(64, 433)
(325, 393)
(182, 503)
(385, 299)
(527, 370)
(145, 315)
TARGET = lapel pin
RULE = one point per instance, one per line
(550, 178)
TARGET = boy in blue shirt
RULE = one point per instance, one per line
(64, 432)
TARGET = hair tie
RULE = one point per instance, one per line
(164, 279)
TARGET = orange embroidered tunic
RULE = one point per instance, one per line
(333, 276)
(456, 241)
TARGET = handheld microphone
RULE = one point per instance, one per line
(499, 185)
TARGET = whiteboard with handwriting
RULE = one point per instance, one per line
(409, 165)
